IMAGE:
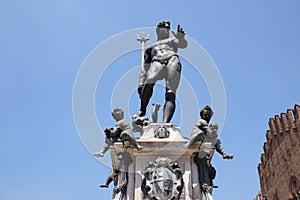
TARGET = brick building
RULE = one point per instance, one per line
(279, 170)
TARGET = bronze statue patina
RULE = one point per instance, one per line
(203, 158)
(121, 132)
(207, 135)
(119, 175)
(113, 176)
(154, 112)
(200, 127)
(139, 122)
(162, 62)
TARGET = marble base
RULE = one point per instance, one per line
(153, 148)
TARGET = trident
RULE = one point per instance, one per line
(143, 39)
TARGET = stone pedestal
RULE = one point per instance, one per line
(157, 146)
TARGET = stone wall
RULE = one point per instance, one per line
(279, 170)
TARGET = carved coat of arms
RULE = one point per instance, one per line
(163, 180)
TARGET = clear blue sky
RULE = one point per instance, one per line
(255, 45)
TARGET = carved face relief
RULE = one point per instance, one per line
(161, 132)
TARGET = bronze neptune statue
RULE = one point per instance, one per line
(162, 62)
